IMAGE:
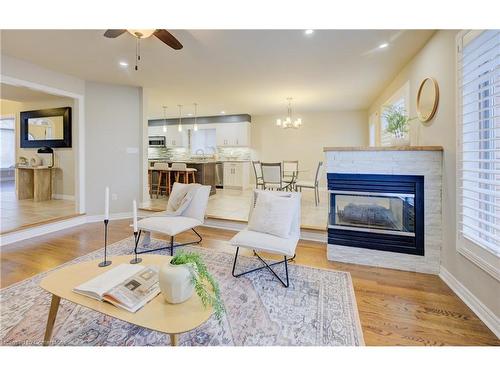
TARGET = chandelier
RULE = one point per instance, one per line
(289, 122)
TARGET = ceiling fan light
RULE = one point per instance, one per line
(141, 33)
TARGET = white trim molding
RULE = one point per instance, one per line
(480, 262)
(24, 234)
(64, 197)
(487, 316)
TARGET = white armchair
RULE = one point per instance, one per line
(187, 215)
(261, 239)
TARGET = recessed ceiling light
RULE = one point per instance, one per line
(309, 32)
(189, 114)
(222, 112)
(123, 63)
(384, 45)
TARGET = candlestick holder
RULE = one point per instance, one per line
(105, 262)
(136, 260)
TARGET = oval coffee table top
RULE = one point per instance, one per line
(157, 315)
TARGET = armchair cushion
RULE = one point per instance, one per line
(180, 198)
(266, 242)
(272, 214)
(169, 225)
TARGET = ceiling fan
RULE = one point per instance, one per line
(161, 34)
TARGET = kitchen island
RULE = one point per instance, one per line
(205, 170)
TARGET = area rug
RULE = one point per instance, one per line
(319, 308)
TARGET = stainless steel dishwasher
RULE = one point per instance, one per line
(219, 174)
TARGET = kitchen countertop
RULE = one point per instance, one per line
(195, 161)
(390, 148)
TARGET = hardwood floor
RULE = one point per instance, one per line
(395, 307)
(18, 214)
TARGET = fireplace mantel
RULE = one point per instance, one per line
(389, 148)
(423, 161)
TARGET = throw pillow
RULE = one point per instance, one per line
(272, 214)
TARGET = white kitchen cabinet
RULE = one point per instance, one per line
(236, 175)
(233, 135)
(175, 138)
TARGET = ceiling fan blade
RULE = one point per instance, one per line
(168, 38)
(113, 33)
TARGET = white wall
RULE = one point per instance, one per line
(114, 119)
(320, 129)
(64, 160)
(437, 59)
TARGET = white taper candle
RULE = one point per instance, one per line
(135, 215)
(106, 203)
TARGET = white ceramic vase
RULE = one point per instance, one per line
(175, 282)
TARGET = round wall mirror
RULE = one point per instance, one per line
(427, 99)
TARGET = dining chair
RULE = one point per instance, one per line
(312, 184)
(272, 177)
(258, 174)
(290, 171)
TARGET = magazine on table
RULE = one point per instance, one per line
(128, 286)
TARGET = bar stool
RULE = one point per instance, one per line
(163, 173)
(179, 170)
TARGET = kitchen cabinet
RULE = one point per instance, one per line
(175, 138)
(236, 175)
(233, 135)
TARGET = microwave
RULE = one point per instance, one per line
(157, 141)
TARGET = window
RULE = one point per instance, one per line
(7, 142)
(400, 99)
(478, 158)
(372, 130)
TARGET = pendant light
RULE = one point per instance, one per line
(179, 128)
(195, 127)
(164, 119)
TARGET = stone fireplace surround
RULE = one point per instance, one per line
(421, 160)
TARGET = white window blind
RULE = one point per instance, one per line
(479, 138)
(7, 143)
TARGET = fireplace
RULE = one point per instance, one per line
(379, 212)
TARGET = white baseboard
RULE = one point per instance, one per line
(116, 216)
(487, 316)
(63, 196)
(40, 230)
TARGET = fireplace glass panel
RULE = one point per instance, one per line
(386, 213)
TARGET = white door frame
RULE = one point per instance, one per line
(79, 132)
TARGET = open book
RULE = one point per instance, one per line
(129, 286)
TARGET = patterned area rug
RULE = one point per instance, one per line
(319, 308)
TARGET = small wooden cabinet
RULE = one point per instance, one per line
(34, 183)
(236, 175)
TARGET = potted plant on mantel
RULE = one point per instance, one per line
(186, 273)
(397, 124)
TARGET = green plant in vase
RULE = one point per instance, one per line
(397, 121)
(199, 278)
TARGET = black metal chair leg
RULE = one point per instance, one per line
(172, 246)
(266, 265)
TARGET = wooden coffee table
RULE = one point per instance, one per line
(157, 315)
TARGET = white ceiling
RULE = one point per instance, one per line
(238, 71)
(24, 94)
